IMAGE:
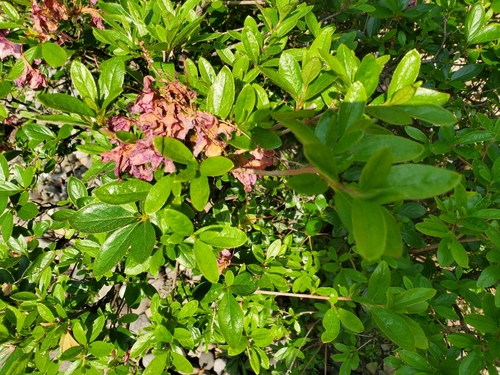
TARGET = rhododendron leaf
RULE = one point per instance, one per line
(199, 191)
(54, 55)
(178, 222)
(206, 261)
(158, 195)
(216, 166)
(221, 94)
(83, 81)
(100, 217)
(66, 103)
(222, 236)
(120, 192)
(174, 149)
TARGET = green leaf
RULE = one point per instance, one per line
(28, 211)
(412, 297)
(352, 108)
(406, 72)
(350, 321)
(121, 192)
(416, 181)
(142, 242)
(335, 66)
(474, 21)
(369, 74)
(251, 44)
(64, 119)
(178, 222)
(66, 103)
(394, 240)
(181, 363)
(431, 113)
(379, 283)
(175, 150)
(114, 249)
(467, 72)
(376, 169)
(158, 194)
(244, 284)
(244, 104)
(487, 34)
(216, 166)
(321, 157)
(471, 364)
(100, 217)
(489, 276)
(8, 188)
(110, 81)
(311, 70)
(427, 96)
(53, 54)
(394, 326)
(262, 337)
(482, 323)
(402, 149)
(403, 95)
(419, 336)
(265, 138)
(390, 114)
(289, 70)
(38, 132)
(221, 94)
(222, 236)
(83, 81)
(307, 184)
(331, 322)
(206, 261)
(369, 229)
(349, 60)
(199, 192)
(188, 310)
(76, 189)
(230, 318)
(157, 365)
(415, 360)
(459, 253)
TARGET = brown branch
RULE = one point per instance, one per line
(433, 247)
(288, 172)
(298, 295)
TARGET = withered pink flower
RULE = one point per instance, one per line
(119, 123)
(224, 260)
(261, 159)
(7, 48)
(31, 76)
(46, 17)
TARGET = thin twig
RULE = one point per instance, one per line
(432, 247)
(298, 295)
(288, 172)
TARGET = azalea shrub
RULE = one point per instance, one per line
(316, 181)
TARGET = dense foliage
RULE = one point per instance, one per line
(319, 178)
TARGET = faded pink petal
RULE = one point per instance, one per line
(7, 48)
(33, 77)
(96, 21)
(119, 123)
(260, 160)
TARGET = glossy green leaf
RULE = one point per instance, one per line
(467, 72)
(379, 283)
(54, 55)
(222, 236)
(394, 326)
(376, 169)
(158, 194)
(403, 95)
(8, 189)
(76, 189)
(251, 44)
(66, 103)
(289, 70)
(419, 336)
(174, 149)
(244, 284)
(221, 94)
(121, 192)
(459, 254)
(483, 323)
(308, 184)
(349, 60)
(335, 65)
(114, 249)
(406, 72)
(394, 240)
(100, 217)
(402, 149)
(230, 319)
(28, 211)
(278, 79)
(427, 96)
(311, 70)
(206, 261)
(489, 276)
(178, 222)
(474, 21)
(83, 81)
(471, 364)
(157, 365)
(216, 166)
(430, 112)
(245, 104)
(389, 114)
(412, 297)
(188, 310)
(369, 229)
(142, 242)
(369, 74)
(352, 108)
(199, 192)
(110, 81)
(321, 157)
(488, 33)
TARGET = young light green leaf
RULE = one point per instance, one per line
(174, 149)
(350, 321)
(83, 81)
(221, 94)
(222, 236)
(308, 184)
(216, 166)
(230, 319)
(352, 108)
(157, 364)
(311, 70)
(111, 78)
(206, 261)
(289, 70)
(244, 104)
(251, 44)
(76, 189)
(142, 242)
(474, 21)
(53, 54)
(199, 192)
(406, 72)
(331, 322)
(178, 222)
(369, 74)
(431, 113)
(181, 363)
(369, 229)
(121, 192)
(488, 33)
